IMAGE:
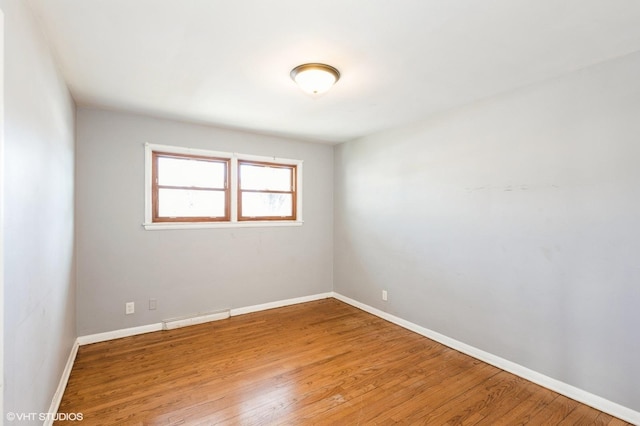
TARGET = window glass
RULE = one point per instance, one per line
(261, 204)
(259, 177)
(190, 172)
(190, 203)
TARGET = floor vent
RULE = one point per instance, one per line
(186, 321)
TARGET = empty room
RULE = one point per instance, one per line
(337, 212)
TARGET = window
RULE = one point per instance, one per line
(266, 191)
(190, 188)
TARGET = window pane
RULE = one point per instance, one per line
(188, 203)
(257, 204)
(190, 172)
(265, 178)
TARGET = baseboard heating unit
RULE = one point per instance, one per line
(201, 318)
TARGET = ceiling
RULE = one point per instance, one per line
(227, 63)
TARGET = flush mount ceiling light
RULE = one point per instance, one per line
(315, 78)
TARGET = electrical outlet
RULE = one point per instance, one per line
(153, 304)
(129, 308)
(384, 295)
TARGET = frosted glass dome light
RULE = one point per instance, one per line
(315, 79)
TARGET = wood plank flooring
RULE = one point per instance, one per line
(322, 362)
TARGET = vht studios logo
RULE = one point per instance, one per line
(73, 417)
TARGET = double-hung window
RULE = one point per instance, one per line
(190, 188)
(266, 191)
(193, 188)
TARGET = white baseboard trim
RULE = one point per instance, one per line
(117, 334)
(126, 332)
(62, 385)
(565, 389)
(279, 304)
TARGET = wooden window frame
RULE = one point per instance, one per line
(292, 191)
(232, 219)
(155, 189)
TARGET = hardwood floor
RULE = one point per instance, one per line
(321, 362)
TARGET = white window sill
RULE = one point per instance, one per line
(211, 225)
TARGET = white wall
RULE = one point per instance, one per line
(39, 300)
(187, 271)
(1, 212)
(512, 225)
